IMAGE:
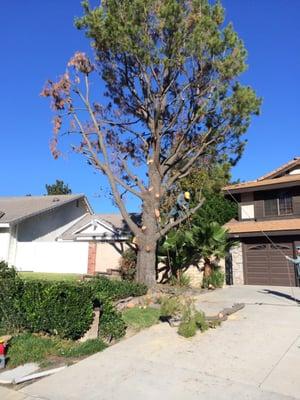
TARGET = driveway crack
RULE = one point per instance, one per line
(278, 361)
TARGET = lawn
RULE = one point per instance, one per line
(49, 276)
(45, 350)
(140, 318)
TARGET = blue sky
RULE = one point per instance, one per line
(38, 38)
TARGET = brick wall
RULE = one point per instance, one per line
(92, 258)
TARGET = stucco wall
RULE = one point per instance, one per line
(48, 226)
(107, 256)
(195, 273)
(4, 243)
(64, 257)
(237, 264)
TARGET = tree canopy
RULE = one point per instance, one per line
(59, 187)
(172, 99)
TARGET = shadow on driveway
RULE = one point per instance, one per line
(280, 294)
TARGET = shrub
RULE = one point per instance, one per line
(128, 265)
(187, 328)
(104, 292)
(61, 308)
(115, 289)
(170, 306)
(184, 307)
(11, 288)
(182, 280)
(200, 321)
(216, 279)
(112, 325)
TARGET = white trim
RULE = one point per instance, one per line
(4, 225)
(102, 239)
(100, 222)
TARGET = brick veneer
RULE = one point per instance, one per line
(92, 258)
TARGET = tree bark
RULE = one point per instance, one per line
(207, 267)
(146, 266)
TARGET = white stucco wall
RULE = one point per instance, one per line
(4, 244)
(64, 257)
(46, 227)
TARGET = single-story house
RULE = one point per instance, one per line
(107, 236)
(59, 234)
(268, 227)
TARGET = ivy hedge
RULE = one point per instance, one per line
(62, 308)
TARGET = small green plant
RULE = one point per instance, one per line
(128, 265)
(181, 279)
(187, 328)
(140, 318)
(215, 279)
(201, 321)
(170, 306)
(184, 308)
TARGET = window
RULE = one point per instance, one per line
(271, 207)
(247, 211)
(283, 205)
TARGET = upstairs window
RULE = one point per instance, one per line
(271, 207)
(283, 205)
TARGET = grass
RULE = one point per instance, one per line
(49, 276)
(140, 318)
(34, 348)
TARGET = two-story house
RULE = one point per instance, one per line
(268, 227)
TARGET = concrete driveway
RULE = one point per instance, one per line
(253, 355)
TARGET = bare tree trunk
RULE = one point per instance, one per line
(147, 243)
(146, 266)
(207, 267)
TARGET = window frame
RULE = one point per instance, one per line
(281, 196)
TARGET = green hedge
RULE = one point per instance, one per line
(115, 289)
(63, 308)
(11, 288)
(105, 291)
(60, 308)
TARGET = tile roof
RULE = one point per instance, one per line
(16, 209)
(236, 227)
(266, 182)
(290, 164)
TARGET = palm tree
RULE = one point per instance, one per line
(212, 242)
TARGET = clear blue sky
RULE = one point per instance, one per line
(37, 39)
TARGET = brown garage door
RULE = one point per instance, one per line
(265, 264)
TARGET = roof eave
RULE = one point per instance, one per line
(52, 207)
(268, 186)
(283, 232)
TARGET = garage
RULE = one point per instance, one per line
(265, 264)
